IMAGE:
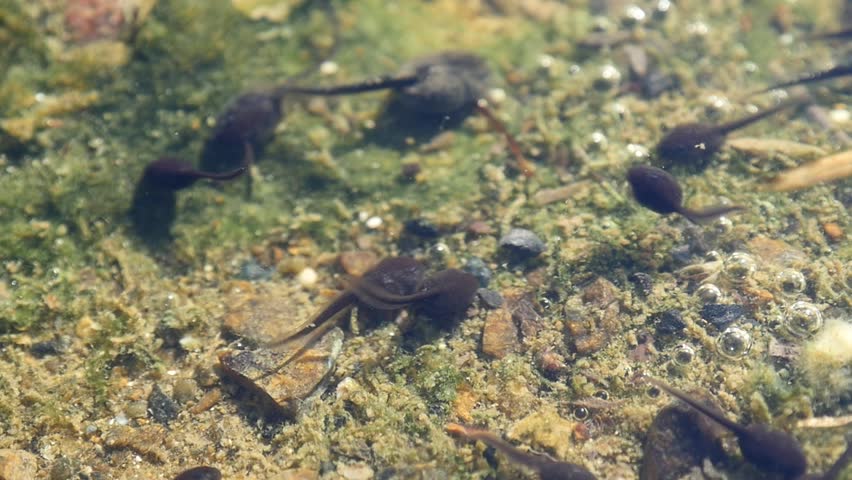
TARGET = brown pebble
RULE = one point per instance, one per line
(147, 441)
(184, 390)
(357, 262)
(17, 464)
(833, 231)
(207, 402)
(478, 227)
(499, 335)
(600, 292)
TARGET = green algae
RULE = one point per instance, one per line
(68, 253)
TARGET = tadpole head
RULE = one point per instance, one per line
(773, 451)
(447, 82)
(200, 473)
(655, 189)
(452, 291)
(396, 275)
(690, 144)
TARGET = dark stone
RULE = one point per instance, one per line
(522, 243)
(642, 282)
(251, 270)
(422, 228)
(490, 298)
(721, 315)
(669, 322)
(161, 408)
(200, 473)
(657, 82)
(679, 439)
(477, 267)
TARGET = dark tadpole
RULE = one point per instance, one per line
(768, 449)
(200, 473)
(547, 468)
(154, 206)
(657, 190)
(694, 144)
(449, 84)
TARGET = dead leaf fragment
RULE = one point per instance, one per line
(826, 169)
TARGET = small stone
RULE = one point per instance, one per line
(833, 231)
(146, 441)
(678, 440)
(669, 322)
(184, 390)
(53, 346)
(137, 409)
(523, 243)
(63, 468)
(642, 282)
(355, 471)
(601, 292)
(200, 473)
(307, 277)
(17, 464)
(477, 267)
(721, 315)
(357, 262)
(282, 381)
(252, 271)
(490, 298)
(161, 408)
(499, 335)
(478, 227)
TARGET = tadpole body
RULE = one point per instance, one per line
(657, 190)
(766, 448)
(200, 473)
(695, 144)
(547, 468)
(154, 206)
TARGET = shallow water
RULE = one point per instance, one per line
(97, 312)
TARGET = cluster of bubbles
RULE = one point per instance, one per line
(801, 318)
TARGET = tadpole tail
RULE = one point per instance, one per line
(709, 214)
(492, 440)
(221, 176)
(845, 34)
(838, 71)
(378, 83)
(726, 128)
(524, 165)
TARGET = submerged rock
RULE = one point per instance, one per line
(523, 243)
(284, 383)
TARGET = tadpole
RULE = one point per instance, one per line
(200, 473)
(547, 468)
(153, 210)
(695, 144)
(766, 448)
(451, 83)
(819, 76)
(657, 190)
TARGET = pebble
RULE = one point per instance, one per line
(161, 407)
(200, 473)
(184, 390)
(355, 471)
(147, 441)
(499, 334)
(669, 322)
(63, 468)
(307, 277)
(268, 314)
(832, 230)
(721, 315)
(478, 268)
(678, 440)
(490, 298)
(252, 271)
(286, 387)
(643, 283)
(522, 243)
(356, 262)
(17, 464)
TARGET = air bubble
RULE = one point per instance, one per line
(803, 319)
(733, 343)
(602, 394)
(739, 267)
(791, 282)
(581, 413)
(684, 354)
(709, 293)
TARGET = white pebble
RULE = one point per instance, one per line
(307, 277)
(328, 68)
(373, 223)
